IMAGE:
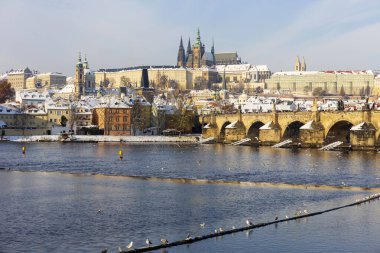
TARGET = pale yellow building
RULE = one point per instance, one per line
(59, 114)
(333, 82)
(159, 78)
(31, 121)
(17, 78)
(46, 81)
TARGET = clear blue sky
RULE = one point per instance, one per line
(48, 34)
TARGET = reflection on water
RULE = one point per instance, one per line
(80, 212)
(213, 162)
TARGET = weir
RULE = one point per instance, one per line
(331, 145)
(207, 140)
(283, 143)
(243, 141)
(241, 229)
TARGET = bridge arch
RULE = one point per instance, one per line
(339, 131)
(292, 131)
(254, 129)
(222, 133)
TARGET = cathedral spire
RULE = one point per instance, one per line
(212, 47)
(79, 58)
(188, 48)
(199, 38)
(303, 65)
(181, 55)
(213, 52)
(181, 43)
(297, 65)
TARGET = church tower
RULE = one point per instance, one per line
(297, 65)
(303, 65)
(197, 51)
(85, 63)
(181, 59)
(79, 78)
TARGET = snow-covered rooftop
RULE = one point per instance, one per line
(335, 72)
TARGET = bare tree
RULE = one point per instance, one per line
(125, 81)
(163, 82)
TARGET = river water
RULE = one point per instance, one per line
(50, 197)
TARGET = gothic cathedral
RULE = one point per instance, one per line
(195, 56)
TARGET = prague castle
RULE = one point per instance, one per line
(195, 68)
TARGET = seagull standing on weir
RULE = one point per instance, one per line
(130, 245)
(249, 223)
(148, 242)
(188, 237)
(120, 250)
(164, 241)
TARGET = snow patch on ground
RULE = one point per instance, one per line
(106, 138)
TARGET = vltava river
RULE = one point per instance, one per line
(51, 197)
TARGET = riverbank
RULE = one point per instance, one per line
(106, 138)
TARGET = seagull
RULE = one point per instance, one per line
(233, 227)
(130, 245)
(221, 229)
(286, 217)
(249, 223)
(202, 225)
(216, 231)
(99, 211)
(276, 218)
(305, 211)
(148, 242)
(164, 241)
(120, 249)
(104, 251)
(188, 237)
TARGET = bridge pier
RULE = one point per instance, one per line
(269, 134)
(312, 135)
(363, 136)
(234, 132)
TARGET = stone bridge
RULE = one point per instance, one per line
(358, 129)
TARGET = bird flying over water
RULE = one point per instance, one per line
(202, 225)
